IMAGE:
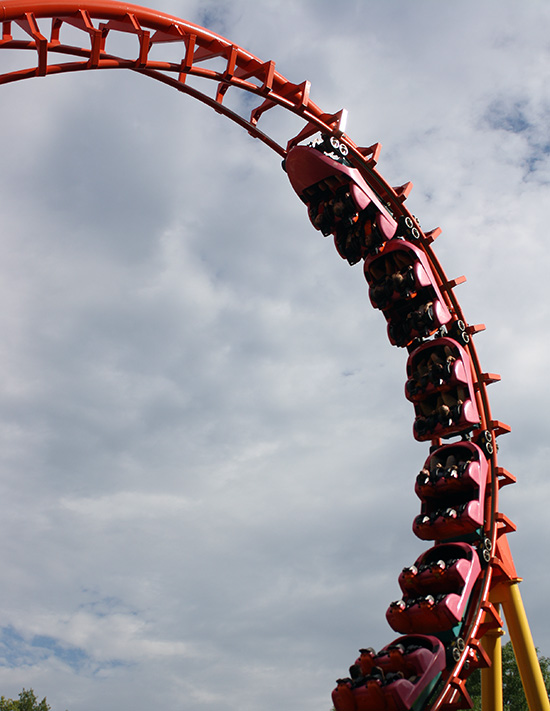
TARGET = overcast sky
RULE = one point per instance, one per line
(207, 461)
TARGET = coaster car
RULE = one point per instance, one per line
(453, 478)
(403, 286)
(435, 598)
(446, 412)
(402, 676)
(441, 364)
(340, 201)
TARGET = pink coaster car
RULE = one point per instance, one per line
(436, 366)
(436, 594)
(441, 387)
(453, 479)
(403, 286)
(339, 200)
(403, 675)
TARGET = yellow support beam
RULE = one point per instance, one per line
(524, 647)
(491, 678)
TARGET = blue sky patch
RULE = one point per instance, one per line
(17, 651)
(508, 116)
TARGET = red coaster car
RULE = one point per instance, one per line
(435, 599)
(441, 387)
(403, 675)
(447, 414)
(441, 364)
(453, 478)
(339, 200)
(403, 286)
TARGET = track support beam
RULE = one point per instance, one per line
(508, 595)
(491, 678)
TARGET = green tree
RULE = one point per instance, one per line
(27, 702)
(512, 688)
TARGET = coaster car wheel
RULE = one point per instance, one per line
(459, 333)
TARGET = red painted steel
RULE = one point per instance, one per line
(42, 23)
(37, 27)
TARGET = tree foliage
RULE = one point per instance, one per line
(27, 701)
(512, 688)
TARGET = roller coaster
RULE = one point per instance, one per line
(449, 616)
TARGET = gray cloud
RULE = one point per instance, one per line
(207, 459)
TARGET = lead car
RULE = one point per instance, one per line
(339, 200)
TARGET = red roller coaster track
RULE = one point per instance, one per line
(211, 66)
